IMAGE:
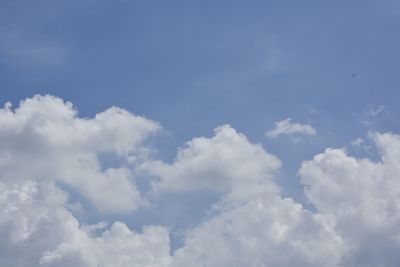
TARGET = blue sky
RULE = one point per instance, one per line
(192, 66)
(195, 65)
(220, 62)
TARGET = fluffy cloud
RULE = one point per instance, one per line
(287, 127)
(252, 225)
(45, 146)
(226, 163)
(356, 200)
(362, 197)
(118, 246)
(44, 139)
(36, 229)
(264, 231)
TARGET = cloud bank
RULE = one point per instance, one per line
(48, 154)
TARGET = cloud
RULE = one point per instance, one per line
(226, 163)
(355, 222)
(264, 231)
(374, 110)
(363, 199)
(357, 142)
(287, 127)
(43, 139)
(372, 114)
(36, 230)
(45, 145)
(252, 224)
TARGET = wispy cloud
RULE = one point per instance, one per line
(372, 113)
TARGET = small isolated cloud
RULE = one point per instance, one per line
(287, 127)
(374, 110)
(18, 49)
(357, 142)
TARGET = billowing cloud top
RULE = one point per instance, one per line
(44, 140)
(287, 127)
(48, 153)
(226, 163)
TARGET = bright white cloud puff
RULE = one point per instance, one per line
(226, 163)
(287, 127)
(362, 198)
(43, 139)
(44, 144)
(36, 229)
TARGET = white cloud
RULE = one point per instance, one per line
(363, 198)
(44, 139)
(253, 225)
(357, 142)
(43, 142)
(118, 246)
(37, 230)
(264, 231)
(355, 223)
(226, 163)
(371, 114)
(287, 127)
(374, 110)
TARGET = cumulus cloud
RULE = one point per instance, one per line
(43, 143)
(43, 139)
(264, 231)
(253, 225)
(363, 199)
(287, 127)
(36, 230)
(226, 163)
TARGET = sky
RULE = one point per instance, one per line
(199, 133)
